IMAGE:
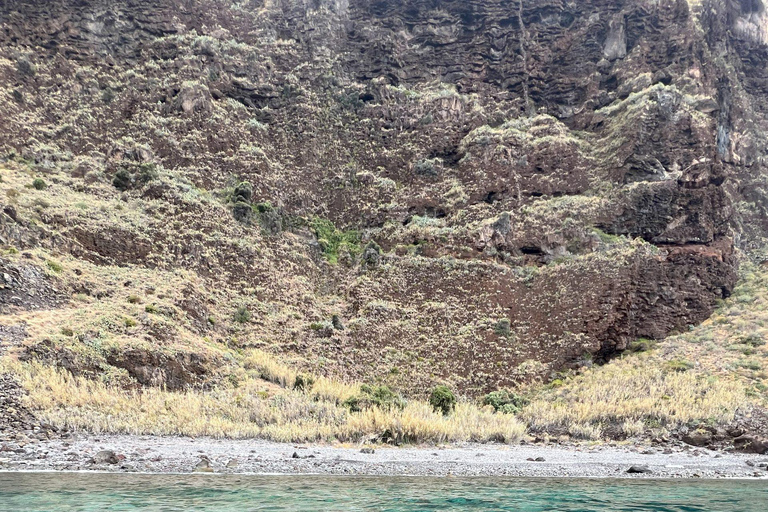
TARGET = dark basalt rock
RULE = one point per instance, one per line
(750, 444)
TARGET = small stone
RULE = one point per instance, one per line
(639, 469)
(204, 466)
(233, 463)
(368, 451)
(698, 438)
(105, 457)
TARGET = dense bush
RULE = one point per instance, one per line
(503, 327)
(678, 365)
(334, 242)
(371, 254)
(378, 396)
(754, 339)
(241, 201)
(243, 192)
(427, 167)
(442, 399)
(270, 218)
(147, 173)
(505, 401)
(242, 315)
(39, 184)
(241, 211)
(132, 176)
(122, 180)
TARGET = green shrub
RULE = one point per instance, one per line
(129, 322)
(374, 396)
(151, 308)
(147, 172)
(270, 218)
(303, 382)
(503, 327)
(264, 207)
(641, 345)
(606, 238)
(54, 266)
(241, 211)
(755, 339)
(122, 180)
(134, 299)
(334, 241)
(678, 365)
(750, 364)
(243, 193)
(66, 331)
(242, 315)
(39, 184)
(131, 176)
(505, 401)
(371, 254)
(427, 167)
(442, 399)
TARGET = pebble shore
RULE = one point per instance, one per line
(147, 454)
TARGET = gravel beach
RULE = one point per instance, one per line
(148, 454)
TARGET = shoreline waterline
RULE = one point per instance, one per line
(214, 475)
(38, 492)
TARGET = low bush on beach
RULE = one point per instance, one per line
(374, 396)
(442, 400)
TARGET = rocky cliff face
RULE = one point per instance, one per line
(482, 191)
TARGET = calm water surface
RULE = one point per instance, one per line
(33, 492)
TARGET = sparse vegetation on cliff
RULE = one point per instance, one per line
(297, 222)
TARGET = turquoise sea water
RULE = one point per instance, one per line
(33, 492)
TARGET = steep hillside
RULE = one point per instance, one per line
(480, 193)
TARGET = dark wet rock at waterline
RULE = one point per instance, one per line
(639, 470)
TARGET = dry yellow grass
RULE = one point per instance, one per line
(636, 389)
(323, 388)
(246, 411)
(269, 369)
